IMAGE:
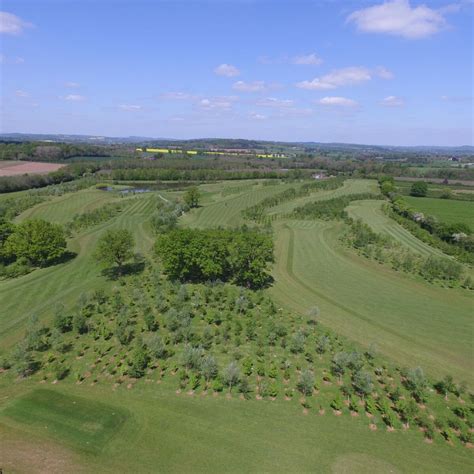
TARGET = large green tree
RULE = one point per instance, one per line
(38, 241)
(192, 196)
(115, 247)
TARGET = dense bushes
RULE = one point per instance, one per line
(30, 244)
(238, 256)
(330, 208)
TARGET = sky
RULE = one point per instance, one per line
(398, 72)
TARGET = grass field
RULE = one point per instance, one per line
(372, 214)
(446, 210)
(150, 428)
(180, 433)
(63, 208)
(39, 291)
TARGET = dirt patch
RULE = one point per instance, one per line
(28, 167)
(23, 455)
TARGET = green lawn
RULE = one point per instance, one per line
(182, 433)
(446, 210)
(82, 423)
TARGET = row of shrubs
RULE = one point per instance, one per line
(257, 212)
(385, 249)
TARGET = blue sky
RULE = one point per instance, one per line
(397, 72)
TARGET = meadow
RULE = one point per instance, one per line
(445, 210)
(103, 426)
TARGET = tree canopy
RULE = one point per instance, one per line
(115, 247)
(238, 256)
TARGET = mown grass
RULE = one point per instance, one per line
(182, 433)
(372, 214)
(87, 425)
(446, 210)
(39, 291)
(63, 208)
(413, 323)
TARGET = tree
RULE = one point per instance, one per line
(416, 382)
(362, 382)
(209, 368)
(192, 196)
(419, 189)
(115, 247)
(38, 241)
(306, 382)
(231, 375)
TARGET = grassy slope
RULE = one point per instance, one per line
(446, 210)
(39, 291)
(412, 322)
(63, 208)
(371, 213)
(171, 433)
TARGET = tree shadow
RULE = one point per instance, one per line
(115, 273)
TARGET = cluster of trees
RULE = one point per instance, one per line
(222, 337)
(39, 151)
(330, 208)
(166, 216)
(385, 249)
(33, 243)
(257, 212)
(240, 256)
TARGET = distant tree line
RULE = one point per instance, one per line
(330, 208)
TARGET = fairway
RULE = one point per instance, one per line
(411, 322)
(445, 210)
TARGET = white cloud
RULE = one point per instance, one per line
(256, 116)
(72, 85)
(11, 24)
(274, 102)
(307, 59)
(338, 101)
(177, 96)
(383, 72)
(255, 86)
(337, 78)
(398, 17)
(21, 93)
(219, 103)
(226, 70)
(130, 108)
(392, 101)
(74, 97)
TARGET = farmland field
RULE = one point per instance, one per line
(15, 168)
(446, 210)
(85, 425)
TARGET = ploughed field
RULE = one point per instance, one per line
(84, 425)
(15, 168)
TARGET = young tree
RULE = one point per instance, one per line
(419, 189)
(231, 375)
(192, 196)
(306, 382)
(209, 368)
(116, 247)
(362, 382)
